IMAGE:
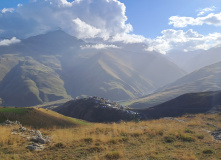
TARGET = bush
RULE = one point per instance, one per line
(186, 138)
(59, 145)
(113, 155)
(189, 131)
(200, 136)
(169, 139)
(88, 140)
(208, 151)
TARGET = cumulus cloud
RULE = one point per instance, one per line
(85, 30)
(99, 46)
(4, 10)
(81, 18)
(210, 19)
(7, 42)
(205, 10)
(185, 41)
(128, 38)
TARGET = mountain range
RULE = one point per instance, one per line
(202, 80)
(56, 65)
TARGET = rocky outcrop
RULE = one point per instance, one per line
(217, 134)
(39, 141)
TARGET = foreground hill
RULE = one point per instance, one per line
(191, 103)
(56, 65)
(202, 80)
(38, 118)
(182, 138)
(96, 109)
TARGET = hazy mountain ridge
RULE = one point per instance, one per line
(68, 69)
(194, 60)
(205, 79)
(190, 103)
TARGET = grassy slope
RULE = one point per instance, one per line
(31, 83)
(154, 140)
(205, 79)
(38, 118)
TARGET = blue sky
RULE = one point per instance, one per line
(150, 17)
(162, 24)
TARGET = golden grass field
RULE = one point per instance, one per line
(147, 140)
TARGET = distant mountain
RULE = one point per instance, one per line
(105, 75)
(96, 109)
(194, 60)
(118, 74)
(190, 103)
(205, 79)
(54, 65)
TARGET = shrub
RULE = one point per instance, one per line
(59, 145)
(113, 155)
(200, 136)
(186, 138)
(189, 131)
(208, 151)
(88, 140)
(169, 139)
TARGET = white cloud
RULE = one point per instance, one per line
(205, 10)
(99, 46)
(81, 18)
(128, 38)
(4, 10)
(184, 41)
(20, 5)
(7, 42)
(210, 19)
(85, 30)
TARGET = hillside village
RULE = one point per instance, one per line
(105, 103)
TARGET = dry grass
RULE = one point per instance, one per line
(154, 140)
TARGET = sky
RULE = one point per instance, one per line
(185, 25)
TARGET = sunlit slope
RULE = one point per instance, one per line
(153, 66)
(205, 79)
(38, 118)
(106, 76)
(30, 83)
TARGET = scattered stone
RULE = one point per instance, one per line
(212, 125)
(190, 116)
(40, 140)
(22, 129)
(31, 135)
(35, 147)
(217, 134)
(171, 118)
(38, 133)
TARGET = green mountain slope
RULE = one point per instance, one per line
(205, 79)
(30, 83)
